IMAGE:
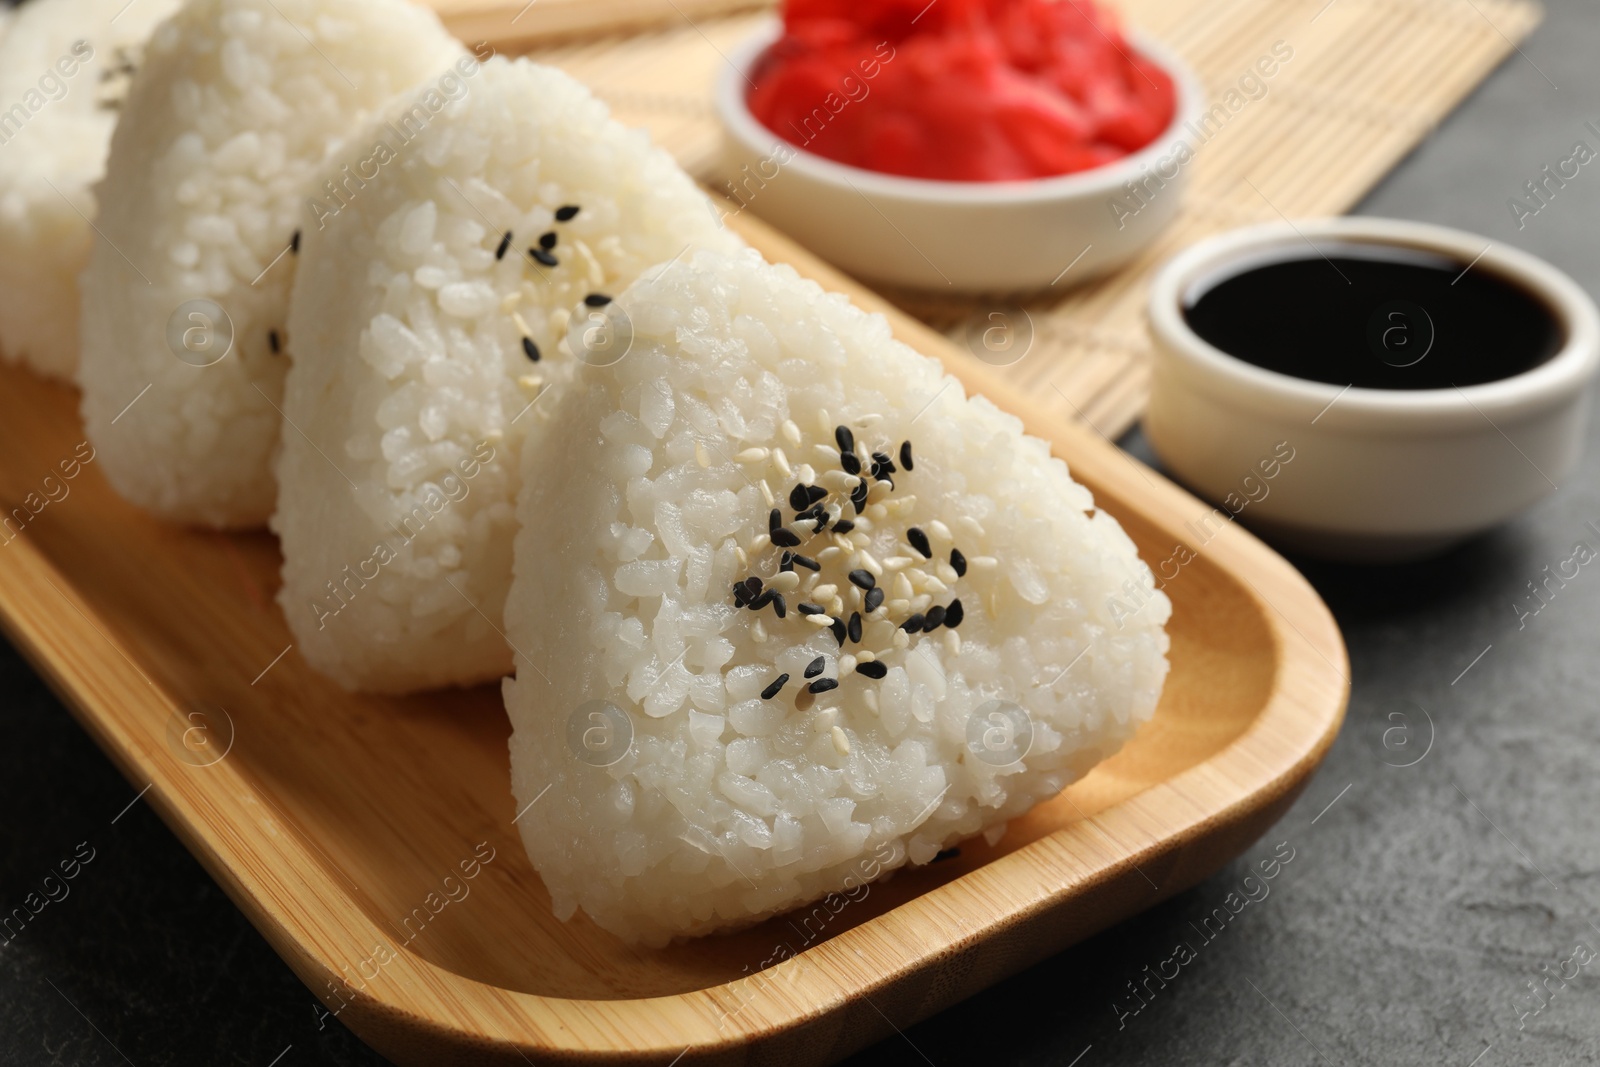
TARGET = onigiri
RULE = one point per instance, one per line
(430, 325)
(64, 70)
(790, 611)
(237, 105)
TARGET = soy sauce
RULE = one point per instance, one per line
(1377, 317)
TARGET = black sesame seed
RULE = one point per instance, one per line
(850, 462)
(597, 300)
(858, 496)
(786, 561)
(753, 584)
(905, 455)
(873, 599)
(816, 493)
(544, 257)
(882, 459)
(808, 608)
(873, 668)
(885, 479)
(946, 854)
(763, 600)
(822, 685)
(772, 690)
(799, 499)
(954, 614)
(816, 666)
(530, 349)
(854, 629)
(838, 631)
(935, 619)
(919, 541)
(913, 625)
(547, 241)
(741, 595)
(784, 537)
(843, 526)
(844, 439)
(879, 471)
(780, 606)
(958, 563)
(566, 213)
(822, 520)
(294, 244)
(774, 519)
(807, 562)
(273, 342)
(505, 243)
(862, 579)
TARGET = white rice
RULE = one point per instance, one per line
(63, 73)
(411, 388)
(639, 495)
(237, 105)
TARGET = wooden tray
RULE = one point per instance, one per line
(334, 821)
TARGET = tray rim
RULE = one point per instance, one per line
(1255, 772)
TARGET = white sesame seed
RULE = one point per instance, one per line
(836, 605)
(522, 325)
(825, 421)
(970, 525)
(791, 432)
(826, 453)
(824, 720)
(766, 493)
(871, 418)
(939, 530)
(781, 461)
(870, 562)
(700, 456)
(744, 560)
(877, 512)
(826, 590)
(759, 631)
(838, 481)
(897, 563)
(806, 474)
(752, 455)
(900, 606)
(983, 563)
(821, 622)
(902, 640)
(785, 581)
(952, 641)
(921, 603)
(841, 743)
(902, 587)
(866, 655)
(829, 553)
(947, 574)
(760, 543)
(869, 697)
(934, 585)
(847, 663)
(509, 303)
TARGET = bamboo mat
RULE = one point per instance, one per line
(1367, 81)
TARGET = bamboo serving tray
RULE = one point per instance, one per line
(371, 839)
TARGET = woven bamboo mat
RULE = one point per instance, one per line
(1367, 81)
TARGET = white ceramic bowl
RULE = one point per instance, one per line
(972, 236)
(1375, 474)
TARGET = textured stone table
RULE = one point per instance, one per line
(1420, 902)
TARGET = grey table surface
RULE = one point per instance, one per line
(1421, 903)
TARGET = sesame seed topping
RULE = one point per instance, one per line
(958, 562)
(505, 243)
(858, 496)
(784, 537)
(597, 300)
(547, 241)
(843, 526)
(819, 620)
(772, 690)
(294, 244)
(530, 349)
(807, 608)
(954, 614)
(862, 579)
(815, 667)
(935, 619)
(544, 257)
(854, 629)
(780, 607)
(873, 599)
(273, 342)
(837, 628)
(774, 519)
(872, 669)
(850, 462)
(741, 595)
(753, 455)
(798, 499)
(763, 600)
(844, 438)
(913, 624)
(919, 541)
(566, 212)
(905, 455)
(807, 562)
(822, 685)
(841, 741)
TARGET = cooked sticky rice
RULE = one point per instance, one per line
(430, 324)
(790, 611)
(237, 105)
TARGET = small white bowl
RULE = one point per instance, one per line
(972, 236)
(1376, 474)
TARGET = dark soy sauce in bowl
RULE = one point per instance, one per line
(1374, 316)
